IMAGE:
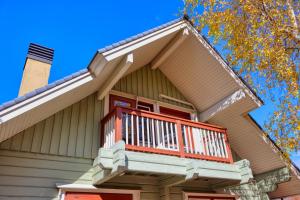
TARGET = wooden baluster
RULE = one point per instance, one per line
(224, 145)
(220, 144)
(208, 143)
(153, 133)
(230, 159)
(172, 135)
(143, 132)
(185, 139)
(213, 142)
(148, 133)
(162, 133)
(126, 127)
(192, 139)
(176, 136)
(180, 140)
(167, 133)
(132, 129)
(157, 133)
(138, 130)
(105, 135)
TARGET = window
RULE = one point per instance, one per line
(174, 113)
(121, 101)
(145, 106)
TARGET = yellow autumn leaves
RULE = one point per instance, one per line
(262, 41)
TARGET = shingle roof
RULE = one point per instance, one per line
(40, 90)
(130, 39)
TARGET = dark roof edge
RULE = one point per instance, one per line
(41, 90)
(273, 142)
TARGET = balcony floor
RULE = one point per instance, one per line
(118, 161)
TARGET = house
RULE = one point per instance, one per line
(156, 116)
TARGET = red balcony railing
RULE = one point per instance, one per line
(156, 133)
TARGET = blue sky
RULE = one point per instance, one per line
(76, 29)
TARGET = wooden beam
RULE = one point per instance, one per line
(221, 105)
(169, 49)
(172, 181)
(117, 73)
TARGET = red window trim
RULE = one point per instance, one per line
(112, 98)
(162, 109)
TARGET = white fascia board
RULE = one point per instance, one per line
(224, 65)
(222, 105)
(135, 44)
(48, 95)
(98, 64)
(117, 73)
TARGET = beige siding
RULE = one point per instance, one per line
(70, 132)
(149, 83)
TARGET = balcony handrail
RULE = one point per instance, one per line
(167, 118)
(213, 140)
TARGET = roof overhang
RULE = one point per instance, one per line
(189, 62)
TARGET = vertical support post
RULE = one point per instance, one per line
(230, 159)
(180, 140)
(118, 124)
(101, 126)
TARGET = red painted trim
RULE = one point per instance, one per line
(118, 124)
(228, 148)
(173, 119)
(174, 113)
(180, 139)
(97, 196)
(179, 122)
(152, 150)
(211, 197)
(204, 157)
(113, 98)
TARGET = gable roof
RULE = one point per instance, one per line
(22, 112)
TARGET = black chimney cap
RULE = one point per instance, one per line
(40, 53)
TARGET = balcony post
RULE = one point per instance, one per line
(118, 124)
(101, 126)
(230, 159)
(180, 140)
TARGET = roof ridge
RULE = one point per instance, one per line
(139, 35)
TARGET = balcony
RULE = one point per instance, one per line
(150, 132)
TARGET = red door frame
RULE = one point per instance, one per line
(97, 196)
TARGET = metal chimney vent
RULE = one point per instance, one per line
(40, 53)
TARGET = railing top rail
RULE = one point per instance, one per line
(167, 118)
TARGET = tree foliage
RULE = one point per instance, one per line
(262, 41)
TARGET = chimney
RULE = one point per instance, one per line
(36, 69)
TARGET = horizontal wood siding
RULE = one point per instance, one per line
(149, 83)
(34, 176)
(70, 132)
